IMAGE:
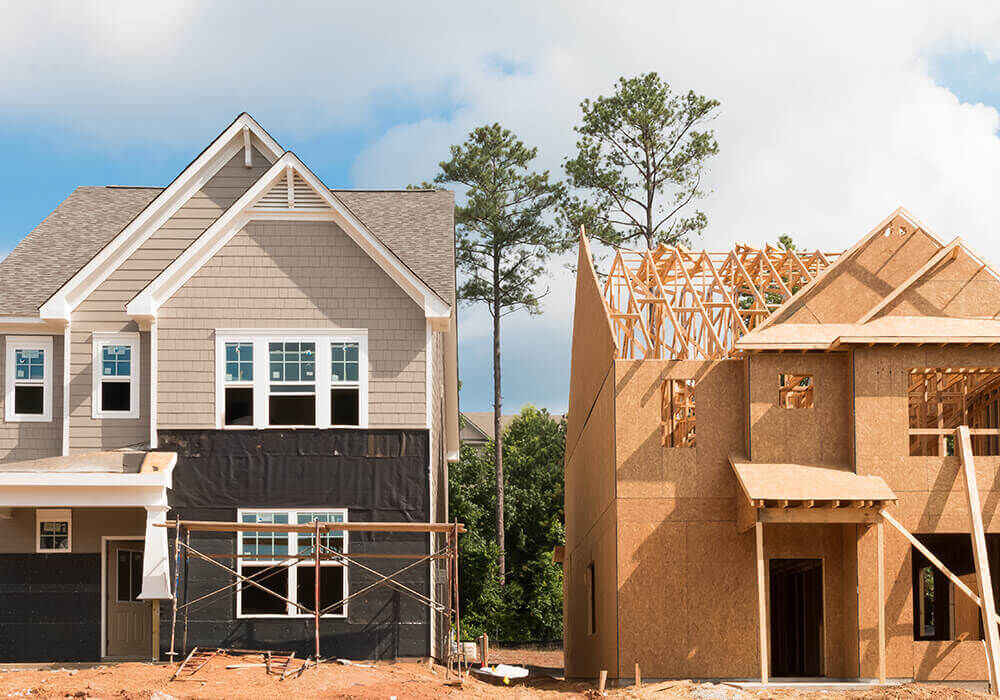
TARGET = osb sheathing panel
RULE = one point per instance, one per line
(959, 288)
(949, 661)
(674, 569)
(966, 618)
(849, 592)
(898, 603)
(586, 654)
(817, 435)
(857, 283)
(590, 469)
(647, 469)
(593, 346)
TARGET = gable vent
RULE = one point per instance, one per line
(301, 196)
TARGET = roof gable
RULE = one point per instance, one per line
(864, 275)
(243, 134)
(954, 283)
(265, 200)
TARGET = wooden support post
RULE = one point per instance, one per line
(761, 601)
(187, 548)
(880, 532)
(638, 677)
(602, 681)
(983, 578)
(155, 612)
(316, 605)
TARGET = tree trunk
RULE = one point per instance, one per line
(497, 430)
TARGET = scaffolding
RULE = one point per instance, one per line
(672, 303)
(317, 552)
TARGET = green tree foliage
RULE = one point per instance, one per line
(640, 159)
(529, 606)
(503, 238)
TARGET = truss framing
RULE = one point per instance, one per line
(672, 303)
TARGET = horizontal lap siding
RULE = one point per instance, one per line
(23, 440)
(292, 275)
(104, 309)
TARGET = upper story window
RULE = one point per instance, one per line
(795, 390)
(292, 378)
(28, 395)
(677, 416)
(116, 375)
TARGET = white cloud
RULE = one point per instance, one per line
(829, 115)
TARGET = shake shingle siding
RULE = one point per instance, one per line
(291, 275)
(104, 309)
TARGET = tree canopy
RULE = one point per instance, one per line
(640, 158)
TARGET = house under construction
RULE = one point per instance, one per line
(785, 464)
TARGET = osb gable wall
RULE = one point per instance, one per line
(931, 497)
(959, 288)
(679, 552)
(864, 279)
(593, 346)
(817, 435)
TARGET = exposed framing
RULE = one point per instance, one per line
(672, 303)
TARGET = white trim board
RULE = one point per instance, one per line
(230, 142)
(146, 304)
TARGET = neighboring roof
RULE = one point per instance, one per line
(481, 423)
(416, 225)
(805, 482)
(64, 242)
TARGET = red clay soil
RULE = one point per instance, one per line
(383, 680)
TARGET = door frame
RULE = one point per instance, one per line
(104, 587)
(823, 591)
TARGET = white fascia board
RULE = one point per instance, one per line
(86, 479)
(64, 496)
(61, 304)
(146, 304)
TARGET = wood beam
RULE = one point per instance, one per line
(761, 602)
(880, 534)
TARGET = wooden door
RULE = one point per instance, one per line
(129, 620)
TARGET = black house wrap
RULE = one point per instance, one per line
(378, 475)
(50, 607)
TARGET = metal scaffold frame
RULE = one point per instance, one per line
(672, 303)
(318, 552)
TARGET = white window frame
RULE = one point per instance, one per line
(292, 563)
(101, 340)
(28, 342)
(261, 372)
(59, 515)
(344, 383)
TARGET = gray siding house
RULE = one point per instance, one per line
(243, 345)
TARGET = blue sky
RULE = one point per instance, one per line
(820, 136)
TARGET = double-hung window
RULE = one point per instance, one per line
(116, 375)
(28, 395)
(281, 562)
(291, 378)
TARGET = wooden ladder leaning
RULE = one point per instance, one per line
(280, 663)
(194, 662)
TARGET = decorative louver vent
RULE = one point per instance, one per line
(299, 197)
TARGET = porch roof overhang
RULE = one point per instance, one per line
(117, 479)
(806, 493)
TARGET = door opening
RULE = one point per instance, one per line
(129, 625)
(796, 617)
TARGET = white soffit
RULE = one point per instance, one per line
(263, 201)
(242, 132)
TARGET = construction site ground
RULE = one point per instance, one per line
(382, 680)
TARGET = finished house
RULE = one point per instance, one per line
(243, 346)
(786, 464)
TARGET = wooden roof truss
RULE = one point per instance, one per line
(672, 303)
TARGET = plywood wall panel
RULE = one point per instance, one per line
(949, 661)
(958, 288)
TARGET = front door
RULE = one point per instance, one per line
(129, 623)
(796, 617)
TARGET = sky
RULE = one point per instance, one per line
(831, 114)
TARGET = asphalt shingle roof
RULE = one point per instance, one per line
(416, 225)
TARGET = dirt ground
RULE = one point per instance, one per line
(135, 681)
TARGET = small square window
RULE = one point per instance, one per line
(239, 362)
(54, 528)
(795, 391)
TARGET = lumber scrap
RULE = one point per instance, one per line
(194, 662)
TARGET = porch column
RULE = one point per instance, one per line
(155, 560)
(761, 599)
